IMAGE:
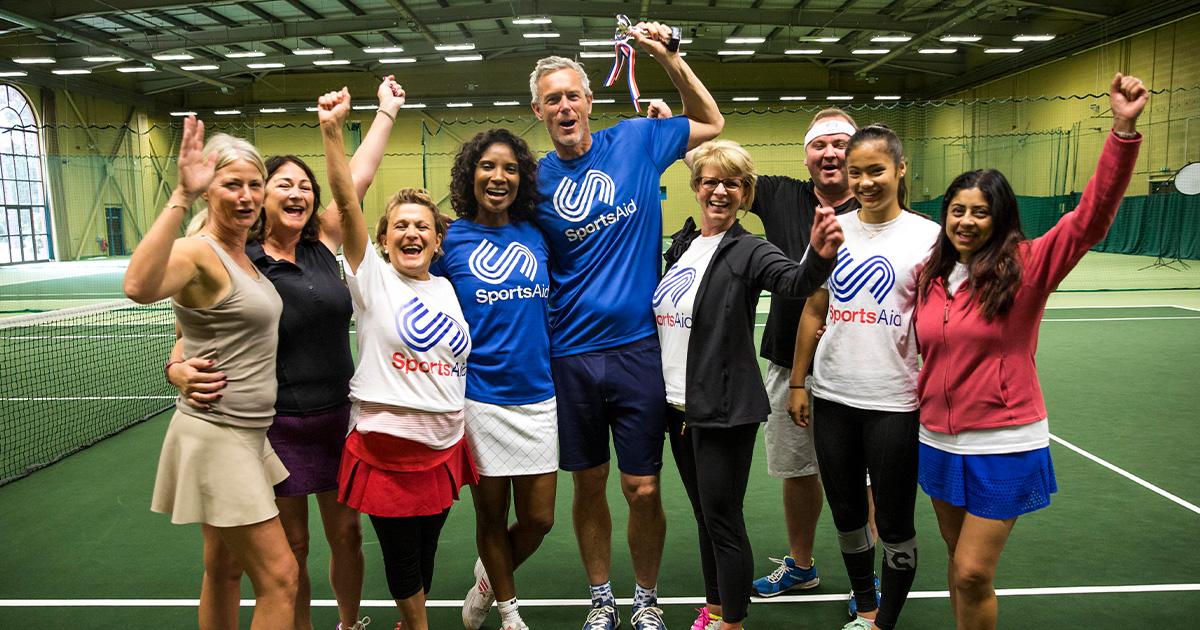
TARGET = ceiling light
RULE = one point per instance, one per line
(505, 103)
(588, 54)
(685, 40)
(128, 69)
(201, 67)
(104, 59)
(460, 104)
(72, 71)
(726, 53)
(311, 51)
(887, 97)
(33, 60)
(399, 60)
(449, 47)
(182, 114)
(870, 51)
(173, 57)
(1032, 38)
(839, 98)
(1001, 51)
(745, 40)
(823, 40)
(961, 38)
(271, 110)
(364, 107)
(745, 99)
(891, 38)
(938, 51)
(245, 54)
(331, 62)
(793, 98)
(264, 66)
(227, 112)
(454, 58)
(311, 109)
(604, 101)
(803, 51)
(413, 106)
(531, 20)
(539, 35)
(596, 42)
(383, 50)
(13, 73)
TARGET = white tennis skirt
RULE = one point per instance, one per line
(216, 474)
(512, 440)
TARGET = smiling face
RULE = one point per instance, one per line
(720, 195)
(874, 177)
(825, 158)
(497, 180)
(235, 195)
(563, 107)
(412, 240)
(289, 199)
(969, 224)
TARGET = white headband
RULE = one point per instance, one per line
(827, 127)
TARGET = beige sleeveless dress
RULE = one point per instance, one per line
(216, 466)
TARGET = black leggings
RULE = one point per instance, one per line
(849, 442)
(409, 544)
(714, 465)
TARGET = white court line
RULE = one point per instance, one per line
(55, 296)
(45, 337)
(1128, 475)
(663, 601)
(1186, 308)
(69, 398)
(1113, 319)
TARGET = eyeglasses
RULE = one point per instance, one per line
(710, 183)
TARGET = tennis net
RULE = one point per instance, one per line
(72, 377)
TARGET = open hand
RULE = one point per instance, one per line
(196, 171)
(196, 380)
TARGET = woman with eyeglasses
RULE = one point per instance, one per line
(704, 309)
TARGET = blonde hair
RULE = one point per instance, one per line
(230, 149)
(420, 197)
(199, 220)
(546, 65)
(726, 156)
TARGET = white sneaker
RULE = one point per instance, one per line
(515, 625)
(361, 624)
(478, 600)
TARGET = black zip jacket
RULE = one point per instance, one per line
(724, 387)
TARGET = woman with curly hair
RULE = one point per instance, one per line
(497, 261)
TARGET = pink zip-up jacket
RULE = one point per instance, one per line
(980, 374)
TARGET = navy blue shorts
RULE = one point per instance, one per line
(998, 487)
(619, 389)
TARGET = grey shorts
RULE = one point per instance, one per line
(790, 451)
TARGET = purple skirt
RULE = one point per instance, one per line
(311, 450)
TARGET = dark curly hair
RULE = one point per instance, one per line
(312, 227)
(462, 175)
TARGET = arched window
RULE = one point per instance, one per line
(24, 215)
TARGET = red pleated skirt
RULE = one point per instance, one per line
(385, 475)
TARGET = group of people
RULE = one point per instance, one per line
(495, 349)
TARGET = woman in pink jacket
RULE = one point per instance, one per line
(985, 454)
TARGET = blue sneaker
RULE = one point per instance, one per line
(648, 618)
(854, 605)
(786, 577)
(602, 618)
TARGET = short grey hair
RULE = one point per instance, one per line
(546, 65)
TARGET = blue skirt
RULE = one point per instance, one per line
(998, 487)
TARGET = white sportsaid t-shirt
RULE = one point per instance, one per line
(673, 302)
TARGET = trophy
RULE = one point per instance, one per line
(625, 51)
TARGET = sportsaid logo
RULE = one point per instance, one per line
(674, 285)
(573, 201)
(876, 275)
(494, 267)
(422, 329)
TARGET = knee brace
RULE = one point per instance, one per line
(901, 556)
(856, 541)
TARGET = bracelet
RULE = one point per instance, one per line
(388, 114)
(1125, 135)
(167, 370)
(177, 205)
(790, 386)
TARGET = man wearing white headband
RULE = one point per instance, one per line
(787, 206)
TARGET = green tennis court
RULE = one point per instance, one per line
(1114, 549)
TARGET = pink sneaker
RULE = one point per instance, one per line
(706, 620)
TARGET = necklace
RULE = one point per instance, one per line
(875, 229)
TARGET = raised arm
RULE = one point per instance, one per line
(698, 104)
(365, 163)
(332, 110)
(159, 268)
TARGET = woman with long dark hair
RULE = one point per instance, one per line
(985, 439)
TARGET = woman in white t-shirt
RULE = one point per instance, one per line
(864, 381)
(406, 457)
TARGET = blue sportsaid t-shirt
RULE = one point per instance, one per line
(603, 220)
(503, 285)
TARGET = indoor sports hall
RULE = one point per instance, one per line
(92, 98)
